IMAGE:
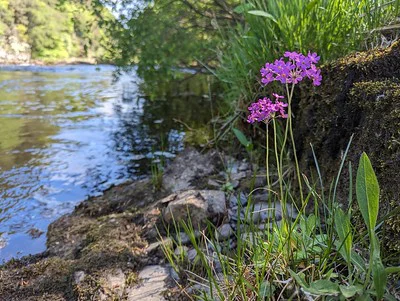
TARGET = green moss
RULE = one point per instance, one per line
(360, 95)
(199, 136)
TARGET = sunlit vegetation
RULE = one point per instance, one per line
(54, 29)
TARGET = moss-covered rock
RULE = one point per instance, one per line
(360, 95)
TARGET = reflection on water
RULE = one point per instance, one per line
(67, 132)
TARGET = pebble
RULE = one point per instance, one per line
(223, 232)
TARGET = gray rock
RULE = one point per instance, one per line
(189, 205)
(181, 251)
(183, 238)
(260, 196)
(213, 184)
(196, 205)
(191, 255)
(152, 286)
(223, 232)
(238, 176)
(216, 202)
(235, 201)
(244, 166)
(186, 170)
(79, 276)
(234, 215)
(263, 211)
(157, 246)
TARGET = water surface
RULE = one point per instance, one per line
(67, 132)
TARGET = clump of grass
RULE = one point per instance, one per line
(315, 256)
(157, 173)
(332, 28)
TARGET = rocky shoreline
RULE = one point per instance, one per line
(110, 247)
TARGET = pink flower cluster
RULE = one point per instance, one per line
(294, 70)
(264, 109)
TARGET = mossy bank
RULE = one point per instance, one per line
(360, 96)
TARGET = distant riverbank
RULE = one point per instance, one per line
(55, 62)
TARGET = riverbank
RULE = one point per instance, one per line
(33, 62)
(108, 243)
(113, 246)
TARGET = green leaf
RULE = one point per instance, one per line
(262, 14)
(242, 138)
(364, 297)
(379, 274)
(343, 229)
(311, 5)
(358, 262)
(323, 287)
(367, 190)
(240, 9)
(300, 278)
(266, 290)
(351, 290)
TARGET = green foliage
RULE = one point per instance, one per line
(367, 189)
(332, 28)
(161, 36)
(243, 140)
(55, 29)
(294, 253)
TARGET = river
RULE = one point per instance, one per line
(67, 132)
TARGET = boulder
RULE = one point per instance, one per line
(189, 205)
(196, 206)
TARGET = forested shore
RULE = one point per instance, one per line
(52, 31)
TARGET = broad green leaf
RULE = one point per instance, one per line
(379, 274)
(262, 14)
(323, 287)
(300, 278)
(241, 137)
(343, 229)
(351, 290)
(367, 190)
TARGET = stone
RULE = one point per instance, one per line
(181, 251)
(234, 200)
(238, 176)
(213, 184)
(191, 255)
(189, 205)
(153, 284)
(260, 196)
(263, 211)
(189, 169)
(156, 248)
(233, 215)
(223, 232)
(113, 284)
(196, 205)
(79, 276)
(216, 202)
(244, 166)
